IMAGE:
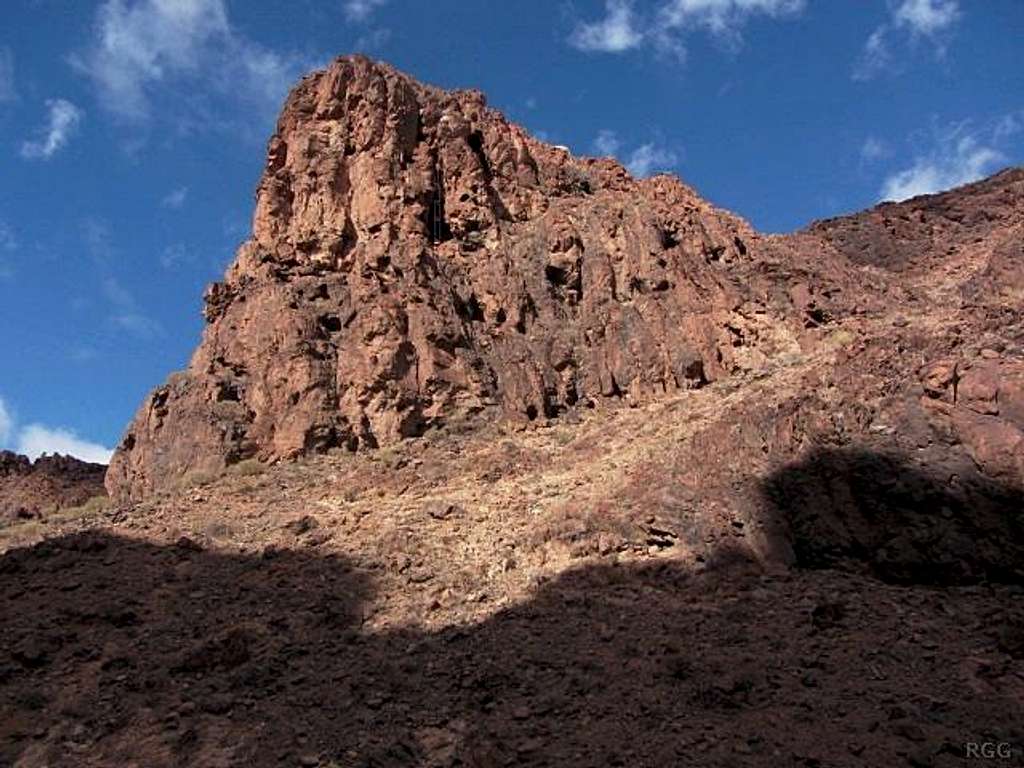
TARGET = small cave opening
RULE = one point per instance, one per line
(476, 143)
(227, 392)
(616, 391)
(571, 396)
(552, 408)
(556, 275)
(668, 239)
(528, 308)
(740, 246)
(500, 317)
(437, 228)
(470, 310)
(531, 412)
(816, 316)
(715, 252)
(330, 323)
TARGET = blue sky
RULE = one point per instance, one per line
(132, 134)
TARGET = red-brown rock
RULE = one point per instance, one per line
(30, 489)
(416, 258)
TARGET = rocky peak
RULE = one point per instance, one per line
(417, 259)
(27, 488)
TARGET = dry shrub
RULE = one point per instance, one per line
(584, 531)
(247, 468)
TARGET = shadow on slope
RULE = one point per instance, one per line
(864, 510)
(117, 651)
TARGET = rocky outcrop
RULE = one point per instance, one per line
(416, 258)
(29, 489)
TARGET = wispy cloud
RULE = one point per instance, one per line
(98, 240)
(916, 20)
(642, 161)
(623, 28)
(616, 32)
(361, 10)
(8, 242)
(148, 44)
(7, 92)
(607, 143)
(873, 149)
(127, 315)
(6, 423)
(957, 155)
(648, 159)
(373, 40)
(62, 122)
(174, 255)
(34, 440)
(175, 198)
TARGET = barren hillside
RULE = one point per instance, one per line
(777, 523)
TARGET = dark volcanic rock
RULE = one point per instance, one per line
(29, 489)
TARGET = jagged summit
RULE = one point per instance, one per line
(416, 259)
(30, 488)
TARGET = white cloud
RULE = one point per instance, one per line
(642, 161)
(623, 29)
(35, 439)
(648, 159)
(932, 20)
(64, 118)
(723, 17)
(361, 10)
(6, 423)
(615, 33)
(175, 198)
(144, 45)
(959, 157)
(372, 40)
(876, 56)
(1008, 125)
(607, 143)
(926, 17)
(7, 92)
(873, 149)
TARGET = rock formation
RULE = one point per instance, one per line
(29, 489)
(416, 260)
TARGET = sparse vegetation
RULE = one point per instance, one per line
(247, 468)
(196, 478)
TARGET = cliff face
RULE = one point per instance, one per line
(416, 258)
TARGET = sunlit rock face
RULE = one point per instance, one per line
(416, 259)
